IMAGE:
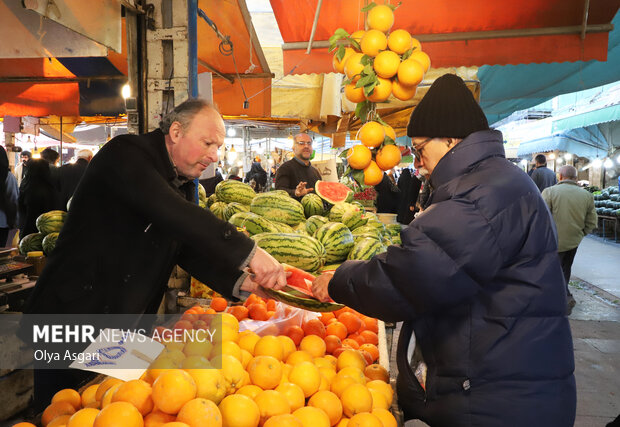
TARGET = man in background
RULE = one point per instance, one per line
(297, 176)
(21, 168)
(51, 157)
(542, 176)
(574, 214)
(70, 176)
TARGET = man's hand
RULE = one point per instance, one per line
(252, 287)
(319, 287)
(301, 189)
(268, 272)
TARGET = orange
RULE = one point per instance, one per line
(367, 356)
(365, 420)
(230, 321)
(354, 94)
(233, 372)
(248, 341)
(386, 64)
(340, 384)
(389, 131)
(372, 135)
(359, 156)
(351, 321)
(351, 358)
(68, 395)
(298, 356)
(173, 389)
(295, 333)
(24, 424)
(269, 346)
(272, 403)
(56, 409)
(200, 412)
(60, 421)
(402, 92)
(379, 400)
(388, 157)
(288, 345)
(338, 329)
(380, 18)
(314, 345)
(385, 416)
(314, 327)
(219, 304)
(119, 414)
(158, 419)
(306, 376)
(357, 36)
(326, 317)
(377, 372)
(410, 72)
(372, 174)
(250, 391)
(399, 41)
(136, 392)
(83, 418)
(372, 349)
(332, 342)
(381, 91)
(88, 395)
(239, 311)
(190, 316)
(329, 403)
(353, 67)
(373, 42)
(210, 384)
(293, 394)
(258, 311)
(356, 398)
(195, 362)
(422, 58)
(107, 397)
(286, 420)
(371, 324)
(358, 338)
(382, 387)
(175, 424)
(339, 65)
(344, 422)
(312, 417)
(415, 44)
(265, 372)
(271, 305)
(370, 337)
(355, 373)
(239, 410)
(104, 386)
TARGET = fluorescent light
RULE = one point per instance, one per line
(231, 132)
(559, 160)
(568, 156)
(552, 156)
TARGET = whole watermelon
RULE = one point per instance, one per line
(313, 205)
(234, 191)
(51, 221)
(49, 242)
(31, 242)
(233, 208)
(218, 209)
(314, 223)
(365, 249)
(337, 240)
(278, 208)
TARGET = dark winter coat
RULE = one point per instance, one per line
(409, 186)
(543, 177)
(291, 173)
(388, 196)
(69, 177)
(37, 195)
(478, 280)
(131, 220)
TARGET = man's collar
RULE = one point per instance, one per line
(301, 162)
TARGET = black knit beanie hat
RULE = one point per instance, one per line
(448, 110)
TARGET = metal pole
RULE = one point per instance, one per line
(314, 24)
(60, 140)
(192, 36)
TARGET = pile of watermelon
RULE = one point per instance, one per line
(49, 225)
(317, 234)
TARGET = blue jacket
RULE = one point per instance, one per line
(543, 177)
(478, 280)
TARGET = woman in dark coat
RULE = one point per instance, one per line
(409, 186)
(8, 198)
(37, 195)
(388, 195)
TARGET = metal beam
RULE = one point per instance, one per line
(482, 35)
(59, 79)
(215, 71)
(314, 24)
(584, 23)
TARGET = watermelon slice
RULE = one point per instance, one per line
(299, 278)
(333, 192)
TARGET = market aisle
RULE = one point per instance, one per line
(598, 262)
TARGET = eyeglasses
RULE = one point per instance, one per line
(417, 150)
(307, 143)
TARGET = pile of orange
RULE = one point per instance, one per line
(378, 138)
(317, 375)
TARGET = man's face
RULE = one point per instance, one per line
(430, 151)
(195, 148)
(303, 147)
(25, 159)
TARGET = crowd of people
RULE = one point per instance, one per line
(35, 187)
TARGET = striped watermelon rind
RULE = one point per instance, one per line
(358, 237)
(218, 209)
(31, 242)
(230, 190)
(314, 223)
(337, 240)
(339, 209)
(212, 199)
(280, 227)
(313, 205)
(365, 249)
(49, 242)
(278, 208)
(394, 229)
(305, 303)
(253, 224)
(50, 222)
(366, 229)
(298, 250)
(233, 208)
(353, 218)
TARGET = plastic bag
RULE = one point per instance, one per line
(285, 316)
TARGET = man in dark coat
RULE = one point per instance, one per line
(297, 176)
(133, 217)
(542, 176)
(477, 279)
(70, 176)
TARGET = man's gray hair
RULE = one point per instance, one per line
(183, 113)
(568, 172)
(300, 134)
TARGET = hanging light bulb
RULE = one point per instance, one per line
(559, 160)
(126, 91)
(568, 156)
(608, 163)
(232, 154)
(239, 163)
(596, 163)
(260, 149)
(552, 156)
(231, 132)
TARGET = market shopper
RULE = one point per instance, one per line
(8, 199)
(21, 169)
(575, 217)
(69, 176)
(297, 176)
(542, 176)
(133, 218)
(477, 279)
(37, 195)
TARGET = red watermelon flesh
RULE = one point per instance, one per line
(299, 279)
(332, 192)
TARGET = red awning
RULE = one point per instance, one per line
(458, 33)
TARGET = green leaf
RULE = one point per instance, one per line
(340, 54)
(370, 6)
(361, 110)
(358, 176)
(347, 82)
(344, 154)
(394, 6)
(407, 54)
(347, 171)
(369, 88)
(388, 141)
(366, 60)
(341, 33)
(380, 120)
(368, 70)
(355, 44)
(366, 80)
